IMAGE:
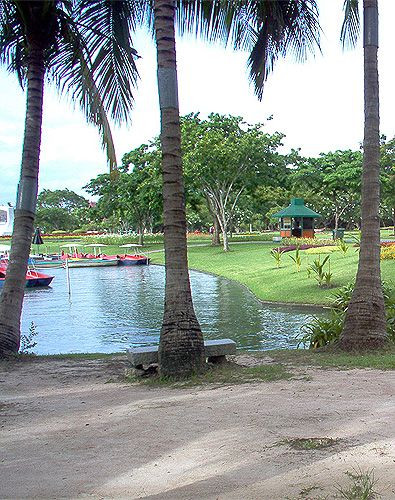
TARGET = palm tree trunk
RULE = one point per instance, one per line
(365, 322)
(181, 349)
(12, 295)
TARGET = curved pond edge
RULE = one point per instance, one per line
(317, 307)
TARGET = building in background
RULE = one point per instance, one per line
(6, 219)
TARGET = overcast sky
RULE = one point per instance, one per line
(318, 104)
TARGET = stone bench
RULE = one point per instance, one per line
(215, 350)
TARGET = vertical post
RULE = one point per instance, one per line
(68, 277)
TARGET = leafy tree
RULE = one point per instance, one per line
(61, 209)
(224, 157)
(334, 180)
(388, 177)
(84, 47)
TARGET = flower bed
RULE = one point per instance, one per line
(388, 252)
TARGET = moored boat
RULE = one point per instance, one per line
(91, 262)
(133, 260)
(33, 278)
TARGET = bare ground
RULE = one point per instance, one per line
(68, 433)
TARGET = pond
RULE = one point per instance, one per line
(114, 308)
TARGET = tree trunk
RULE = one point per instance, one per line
(11, 299)
(215, 241)
(181, 349)
(365, 322)
(393, 219)
(141, 235)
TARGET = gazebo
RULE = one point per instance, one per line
(297, 220)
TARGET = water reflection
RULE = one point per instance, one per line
(113, 308)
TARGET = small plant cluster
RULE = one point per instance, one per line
(321, 274)
(362, 486)
(326, 330)
(27, 341)
(320, 271)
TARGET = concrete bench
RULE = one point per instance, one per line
(215, 350)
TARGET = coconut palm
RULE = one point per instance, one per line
(365, 321)
(181, 348)
(270, 28)
(84, 47)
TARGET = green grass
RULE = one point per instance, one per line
(253, 266)
(308, 444)
(228, 373)
(362, 486)
(381, 360)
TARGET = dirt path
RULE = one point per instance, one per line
(67, 433)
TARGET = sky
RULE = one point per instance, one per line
(318, 104)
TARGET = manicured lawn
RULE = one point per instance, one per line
(253, 266)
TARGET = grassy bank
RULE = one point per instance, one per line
(253, 266)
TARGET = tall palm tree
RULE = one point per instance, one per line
(365, 322)
(181, 348)
(84, 47)
(270, 29)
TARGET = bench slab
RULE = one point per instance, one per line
(148, 355)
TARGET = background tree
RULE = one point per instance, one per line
(85, 48)
(388, 178)
(61, 209)
(331, 182)
(226, 157)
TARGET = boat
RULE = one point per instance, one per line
(133, 259)
(45, 262)
(91, 262)
(33, 278)
(75, 258)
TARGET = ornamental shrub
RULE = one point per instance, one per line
(323, 331)
(388, 252)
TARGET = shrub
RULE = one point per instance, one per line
(312, 242)
(59, 231)
(323, 331)
(388, 253)
(322, 250)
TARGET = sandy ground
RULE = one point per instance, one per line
(66, 432)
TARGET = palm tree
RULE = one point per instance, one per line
(270, 28)
(181, 348)
(365, 321)
(84, 47)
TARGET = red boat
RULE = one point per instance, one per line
(33, 278)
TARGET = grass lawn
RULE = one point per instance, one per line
(253, 266)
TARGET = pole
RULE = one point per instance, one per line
(68, 277)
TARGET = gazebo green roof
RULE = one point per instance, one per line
(297, 208)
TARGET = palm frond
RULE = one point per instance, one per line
(275, 29)
(71, 70)
(351, 23)
(107, 26)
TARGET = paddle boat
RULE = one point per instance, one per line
(33, 278)
(133, 258)
(75, 258)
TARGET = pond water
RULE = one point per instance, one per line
(114, 308)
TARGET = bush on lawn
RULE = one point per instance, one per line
(323, 331)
